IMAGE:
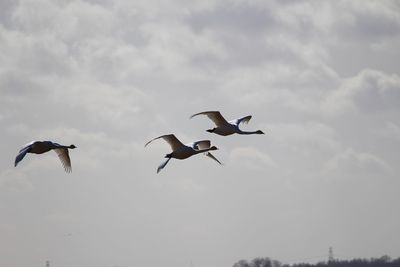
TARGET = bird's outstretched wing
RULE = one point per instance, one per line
(241, 120)
(170, 139)
(22, 153)
(208, 154)
(215, 116)
(64, 158)
(199, 145)
(162, 165)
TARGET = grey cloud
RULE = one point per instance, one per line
(110, 75)
(239, 17)
(247, 31)
(369, 21)
(6, 10)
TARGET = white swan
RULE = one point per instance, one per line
(181, 151)
(225, 127)
(40, 147)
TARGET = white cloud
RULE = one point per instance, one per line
(369, 91)
(176, 49)
(272, 85)
(321, 78)
(352, 163)
(103, 103)
(371, 21)
(390, 130)
(305, 136)
(251, 158)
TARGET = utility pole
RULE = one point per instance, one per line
(330, 256)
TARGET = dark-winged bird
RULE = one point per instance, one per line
(224, 127)
(40, 147)
(181, 151)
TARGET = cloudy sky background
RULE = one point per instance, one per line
(320, 78)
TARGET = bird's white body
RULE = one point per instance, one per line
(181, 151)
(224, 127)
(227, 129)
(184, 152)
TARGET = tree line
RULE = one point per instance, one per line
(384, 261)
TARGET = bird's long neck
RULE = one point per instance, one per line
(63, 146)
(247, 132)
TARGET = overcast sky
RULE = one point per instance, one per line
(321, 78)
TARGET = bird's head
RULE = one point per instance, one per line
(72, 146)
(213, 148)
(260, 132)
(211, 130)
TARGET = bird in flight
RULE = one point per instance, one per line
(224, 127)
(40, 147)
(181, 151)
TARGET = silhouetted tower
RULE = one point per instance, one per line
(330, 256)
(47, 263)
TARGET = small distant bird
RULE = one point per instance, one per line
(40, 147)
(225, 127)
(181, 151)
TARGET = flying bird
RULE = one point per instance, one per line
(181, 151)
(224, 127)
(40, 147)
